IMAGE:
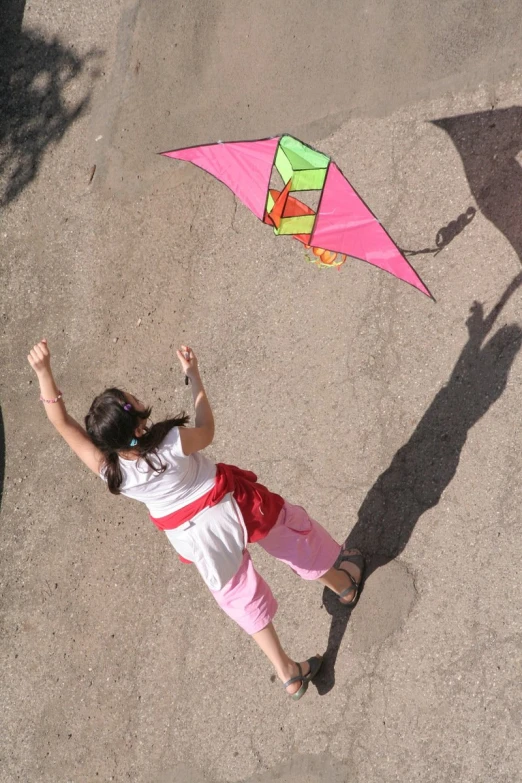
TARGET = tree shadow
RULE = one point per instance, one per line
(488, 143)
(423, 468)
(36, 78)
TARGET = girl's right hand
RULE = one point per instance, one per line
(40, 357)
(188, 361)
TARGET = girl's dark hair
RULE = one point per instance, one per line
(111, 424)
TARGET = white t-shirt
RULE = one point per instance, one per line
(184, 480)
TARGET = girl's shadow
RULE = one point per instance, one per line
(422, 468)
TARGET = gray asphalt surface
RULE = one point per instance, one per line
(393, 419)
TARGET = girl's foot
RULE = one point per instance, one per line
(293, 671)
(297, 685)
(351, 562)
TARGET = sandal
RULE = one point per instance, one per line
(315, 664)
(358, 560)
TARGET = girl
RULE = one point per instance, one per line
(209, 512)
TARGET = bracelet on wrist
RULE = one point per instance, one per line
(59, 397)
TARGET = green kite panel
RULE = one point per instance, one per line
(312, 179)
(283, 165)
(296, 225)
(301, 156)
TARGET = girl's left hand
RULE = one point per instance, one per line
(188, 361)
(40, 357)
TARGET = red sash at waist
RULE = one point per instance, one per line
(260, 507)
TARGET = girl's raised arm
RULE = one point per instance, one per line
(198, 437)
(51, 397)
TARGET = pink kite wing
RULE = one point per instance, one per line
(244, 166)
(345, 225)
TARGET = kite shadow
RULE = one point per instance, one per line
(35, 81)
(422, 469)
(445, 234)
(488, 143)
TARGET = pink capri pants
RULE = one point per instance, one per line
(296, 540)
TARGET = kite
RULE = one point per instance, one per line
(328, 217)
